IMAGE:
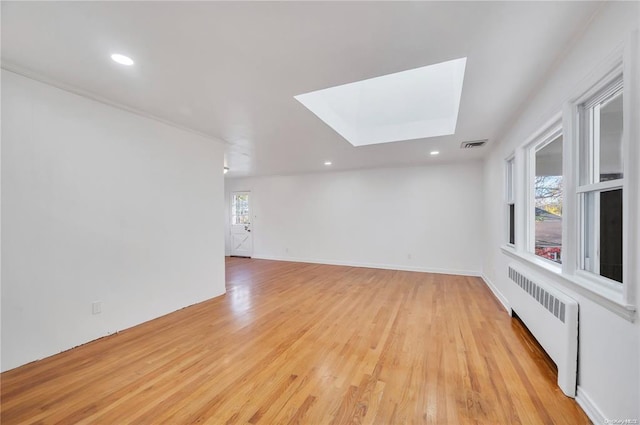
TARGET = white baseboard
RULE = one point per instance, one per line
(496, 293)
(370, 265)
(589, 407)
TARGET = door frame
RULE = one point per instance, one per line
(231, 225)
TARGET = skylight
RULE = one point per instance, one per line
(414, 104)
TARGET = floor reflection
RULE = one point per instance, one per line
(240, 301)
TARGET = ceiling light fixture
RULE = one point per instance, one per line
(433, 153)
(226, 170)
(328, 163)
(122, 59)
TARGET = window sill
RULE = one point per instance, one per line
(606, 297)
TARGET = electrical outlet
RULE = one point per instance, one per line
(96, 307)
(409, 256)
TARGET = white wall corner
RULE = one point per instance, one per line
(496, 293)
(589, 407)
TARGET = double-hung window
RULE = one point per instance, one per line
(546, 194)
(601, 183)
(579, 214)
(510, 201)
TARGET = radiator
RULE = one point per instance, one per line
(552, 318)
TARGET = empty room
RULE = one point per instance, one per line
(320, 212)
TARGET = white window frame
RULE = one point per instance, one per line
(548, 134)
(619, 299)
(611, 86)
(617, 71)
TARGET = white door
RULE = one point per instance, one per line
(241, 240)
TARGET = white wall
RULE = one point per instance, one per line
(608, 351)
(100, 204)
(419, 218)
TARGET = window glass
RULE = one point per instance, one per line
(611, 234)
(512, 229)
(510, 197)
(240, 208)
(548, 198)
(509, 188)
(610, 135)
(603, 233)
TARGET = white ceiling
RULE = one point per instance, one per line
(230, 70)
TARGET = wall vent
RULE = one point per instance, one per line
(545, 299)
(473, 144)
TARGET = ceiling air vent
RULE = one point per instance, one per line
(473, 144)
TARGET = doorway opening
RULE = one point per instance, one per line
(241, 237)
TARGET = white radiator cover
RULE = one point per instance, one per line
(552, 317)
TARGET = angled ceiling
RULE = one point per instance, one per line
(231, 69)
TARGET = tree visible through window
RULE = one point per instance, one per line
(548, 196)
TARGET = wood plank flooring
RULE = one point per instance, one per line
(294, 343)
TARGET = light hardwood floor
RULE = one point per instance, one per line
(307, 344)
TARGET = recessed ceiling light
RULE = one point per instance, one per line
(434, 152)
(122, 59)
(328, 163)
(413, 104)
